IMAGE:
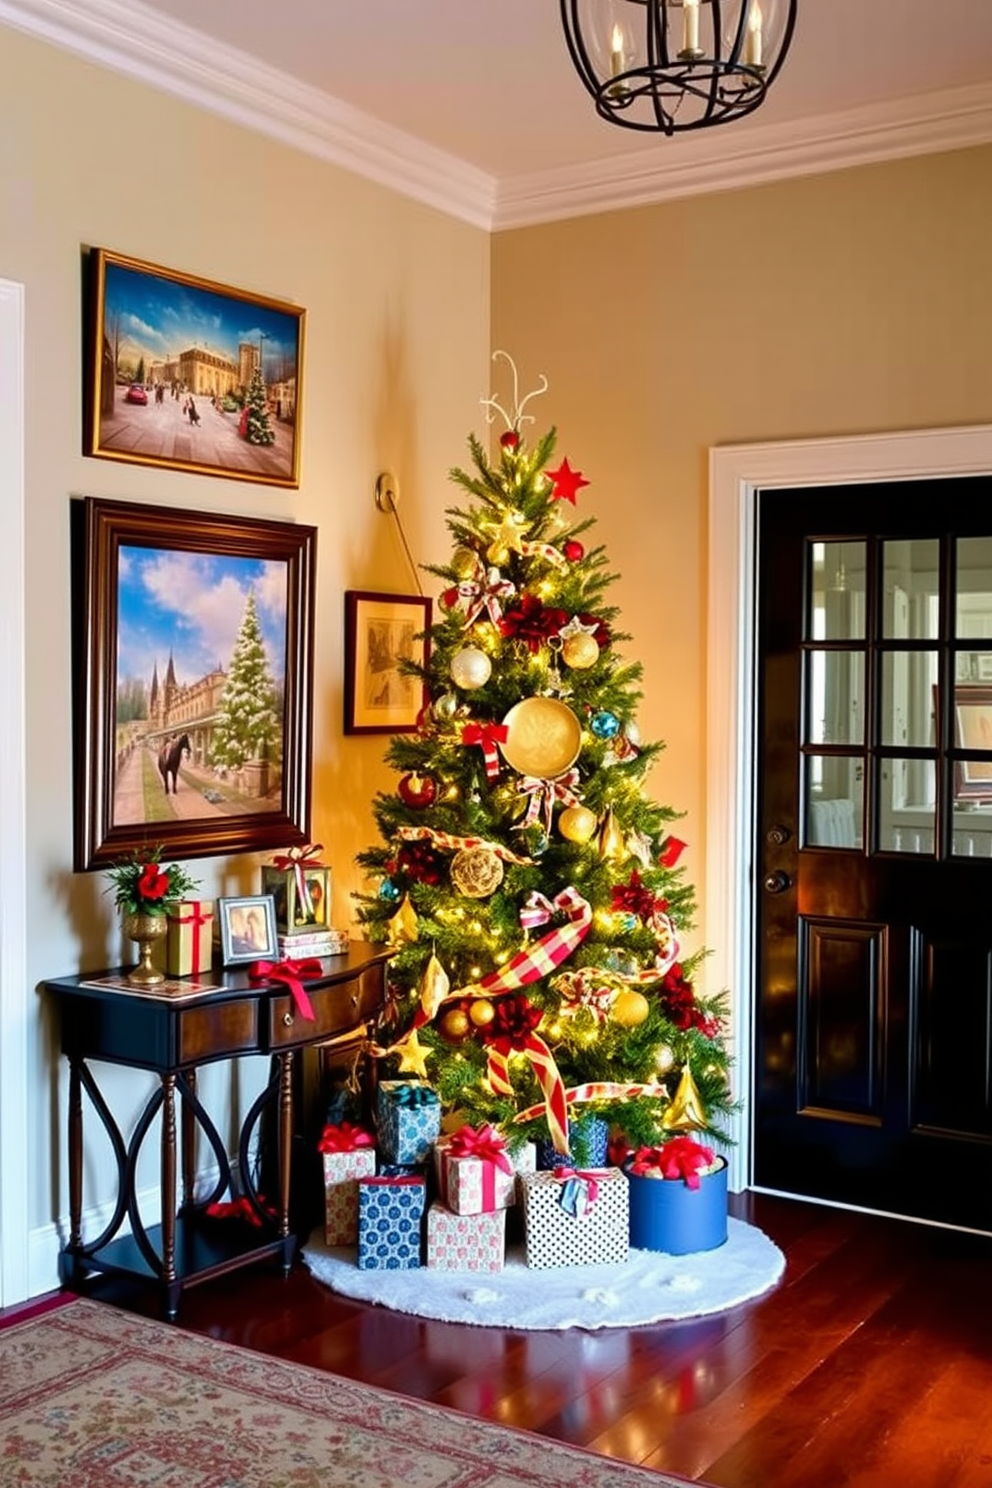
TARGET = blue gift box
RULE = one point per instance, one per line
(409, 1118)
(389, 1222)
(588, 1143)
(666, 1214)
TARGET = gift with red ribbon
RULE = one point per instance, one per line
(487, 736)
(678, 1158)
(344, 1137)
(475, 1174)
(348, 1154)
(301, 886)
(189, 943)
(291, 974)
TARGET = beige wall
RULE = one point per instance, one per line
(397, 301)
(841, 304)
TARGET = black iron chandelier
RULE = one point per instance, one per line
(671, 65)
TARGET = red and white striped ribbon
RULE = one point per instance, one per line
(597, 1090)
(543, 795)
(487, 736)
(541, 958)
(458, 844)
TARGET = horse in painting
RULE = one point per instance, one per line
(169, 759)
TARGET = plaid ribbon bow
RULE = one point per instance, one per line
(543, 795)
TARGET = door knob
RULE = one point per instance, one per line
(778, 835)
(777, 882)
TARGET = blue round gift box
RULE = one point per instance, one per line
(666, 1214)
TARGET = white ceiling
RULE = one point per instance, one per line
(474, 106)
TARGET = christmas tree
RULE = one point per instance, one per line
(248, 719)
(529, 887)
(258, 430)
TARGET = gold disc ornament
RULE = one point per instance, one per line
(476, 872)
(580, 651)
(543, 739)
(578, 824)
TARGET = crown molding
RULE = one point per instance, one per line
(133, 39)
(751, 155)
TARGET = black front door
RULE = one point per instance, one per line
(873, 1081)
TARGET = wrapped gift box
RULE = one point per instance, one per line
(189, 941)
(348, 1155)
(409, 1118)
(588, 1145)
(390, 1210)
(465, 1242)
(474, 1171)
(581, 1219)
(301, 889)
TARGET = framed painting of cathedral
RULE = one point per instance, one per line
(192, 375)
(193, 674)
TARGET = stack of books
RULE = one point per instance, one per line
(305, 943)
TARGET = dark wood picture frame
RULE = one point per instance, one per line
(159, 341)
(381, 631)
(201, 584)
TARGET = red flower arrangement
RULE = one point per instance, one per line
(142, 886)
(532, 621)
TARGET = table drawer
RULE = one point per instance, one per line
(336, 1009)
(226, 1028)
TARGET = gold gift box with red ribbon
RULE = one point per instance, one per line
(300, 885)
(189, 941)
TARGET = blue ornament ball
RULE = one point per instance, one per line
(605, 725)
(392, 893)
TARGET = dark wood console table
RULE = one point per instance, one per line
(171, 1033)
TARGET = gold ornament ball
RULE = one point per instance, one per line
(664, 1059)
(630, 1008)
(454, 1025)
(580, 651)
(471, 668)
(481, 1012)
(476, 872)
(577, 824)
(464, 562)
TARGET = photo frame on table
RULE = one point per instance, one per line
(191, 375)
(182, 620)
(247, 929)
(386, 641)
(973, 731)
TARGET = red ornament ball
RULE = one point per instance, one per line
(574, 551)
(510, 439)
(417, 791)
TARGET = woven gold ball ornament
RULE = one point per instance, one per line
(470, 668)
(577, 824)
(580, 651)
(629, 1008)
(684, 1111)
(476, 872)
(543, 737)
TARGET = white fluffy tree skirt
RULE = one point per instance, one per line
(651, 1287)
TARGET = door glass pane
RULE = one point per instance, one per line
(973, 570)
(836, 698)
(837, 592)
(907, 806)
(908, 682)
(834, 802)
(910, 589)
(974, 666)
(972, 836)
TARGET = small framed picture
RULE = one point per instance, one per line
(386, 654)
(247, 929)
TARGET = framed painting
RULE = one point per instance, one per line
(247, 929)
(191, 375)
(973, 731)
(386, 653)
(193, 668)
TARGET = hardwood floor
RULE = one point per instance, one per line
(869, 1365)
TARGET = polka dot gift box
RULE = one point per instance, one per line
(576, 1217)
(390, 1210)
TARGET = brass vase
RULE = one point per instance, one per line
(145, 930)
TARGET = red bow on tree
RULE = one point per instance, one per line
(634, 897)
(532, 621)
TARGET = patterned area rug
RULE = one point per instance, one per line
(649, 1287)
(91, 1397)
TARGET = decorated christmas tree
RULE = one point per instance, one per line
(529, 887)
(258, 429)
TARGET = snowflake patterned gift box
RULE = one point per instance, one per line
(465, 1242)
(576, 1217)
(390, 1210)
(409, 1118)
(349, 1154)
(474, 1171)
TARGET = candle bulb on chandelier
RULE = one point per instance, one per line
(690, 28)
(616, 52)
(752, 51)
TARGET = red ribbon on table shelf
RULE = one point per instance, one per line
(679, 1158)
(487, 736)
(292, 974)
(345, 1137)
(196, 919)
(240, 1208)
(298, 860)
